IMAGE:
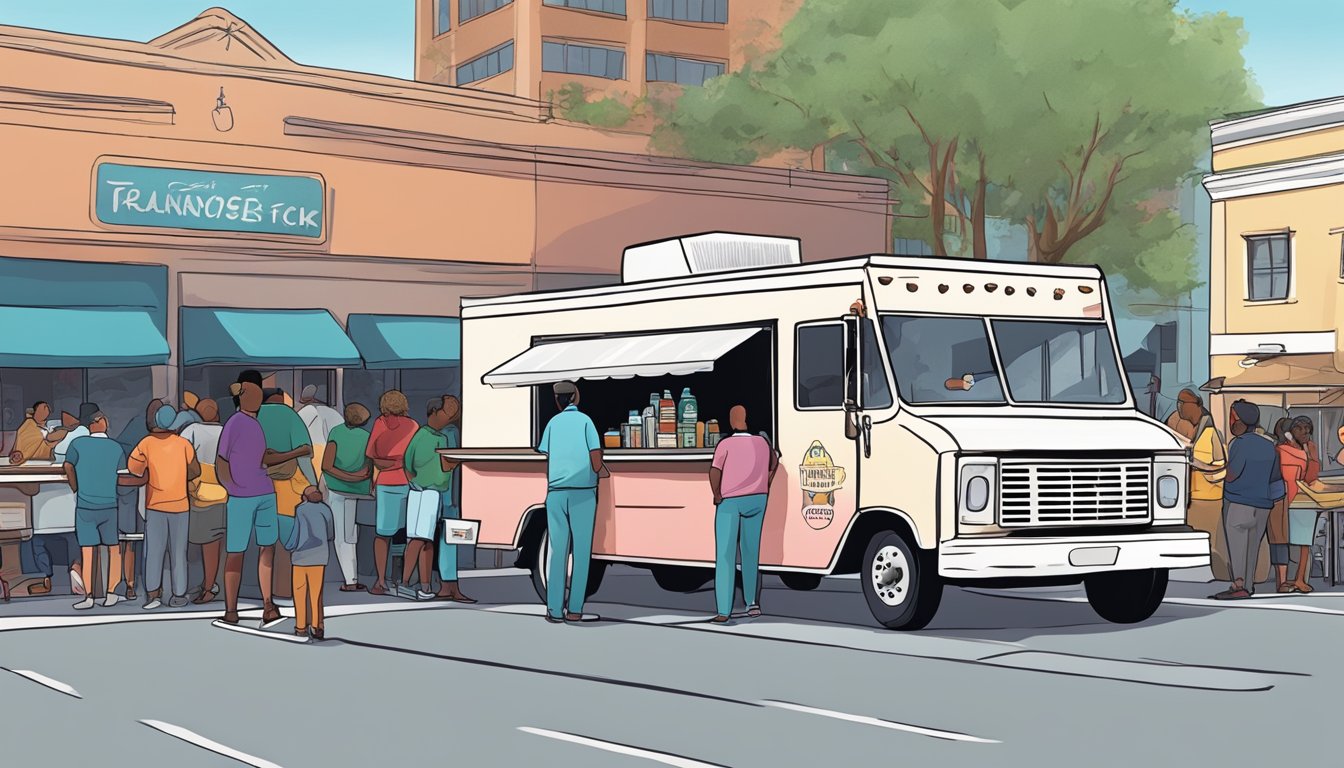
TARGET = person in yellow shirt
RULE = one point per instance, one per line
(33, 442)
(1208, 465)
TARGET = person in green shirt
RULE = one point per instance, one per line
(289, 452)
(347, 471)
(432, 499)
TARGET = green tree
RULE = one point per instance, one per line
(1066, 117)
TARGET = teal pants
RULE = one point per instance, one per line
(737, 520)
(570, 515)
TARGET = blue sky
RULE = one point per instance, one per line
(1294, 46)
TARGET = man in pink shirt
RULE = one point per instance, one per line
(740, 475)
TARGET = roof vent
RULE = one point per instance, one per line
(712, 252)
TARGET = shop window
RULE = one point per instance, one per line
(443, 17)
(614, 7)
(470, 9)
(366, 387)
(486, 65)
(819, 365)
(20, 388)
(662, 68)
(1268, 267)
(419, 385)
(576, 59)
(706, 11)
(122, 394)
(213, 381)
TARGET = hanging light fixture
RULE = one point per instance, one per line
(222, 115)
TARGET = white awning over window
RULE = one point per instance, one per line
(619, 357)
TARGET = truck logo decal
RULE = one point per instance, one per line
(820, 479)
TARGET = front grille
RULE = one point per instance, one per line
(1074, 493)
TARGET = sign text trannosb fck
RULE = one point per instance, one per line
(151, 196)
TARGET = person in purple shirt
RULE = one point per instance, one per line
(251, 506)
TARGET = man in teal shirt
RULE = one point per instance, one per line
(432, 499)
(573, 461)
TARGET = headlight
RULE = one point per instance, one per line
(975, 492)
(1168, 491)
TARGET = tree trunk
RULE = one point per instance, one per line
(980, 247)
(937, 203)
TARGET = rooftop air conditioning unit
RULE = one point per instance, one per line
(711, 252)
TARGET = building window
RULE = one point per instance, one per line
(443, 19)
(661, 68)
(614, 7)
(588, 60)
(709, 11)
(1268, 267)
(470, 9)
(488, 64)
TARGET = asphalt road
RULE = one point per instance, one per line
(1009, 679)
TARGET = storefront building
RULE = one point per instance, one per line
(181, 209)
(1277, 268)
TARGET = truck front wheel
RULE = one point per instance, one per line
(1126, 597)
(900, 582)
(541, 569)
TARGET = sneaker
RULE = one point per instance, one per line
(424, 594)
(76, 582)
(406, 593)
(85, 604)
(152, 604)
(112, 599)
(176, 601)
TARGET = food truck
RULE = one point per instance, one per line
(939, 422)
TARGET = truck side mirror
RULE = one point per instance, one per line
(851, 420)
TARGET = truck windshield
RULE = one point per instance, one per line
(1059, 362)
(942, 359)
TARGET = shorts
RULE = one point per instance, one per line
(1301, 527)
(422, 514)
(391, 516)
(285, 527)
(247, 515)
(1278, 554)
(129, 521)
(96, 527)
(207, 524)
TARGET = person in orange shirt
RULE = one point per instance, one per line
(168, 464)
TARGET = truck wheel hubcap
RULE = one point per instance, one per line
(890, 574)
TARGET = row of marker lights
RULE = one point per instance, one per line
(990, 287)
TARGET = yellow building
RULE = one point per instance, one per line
(1277, 270)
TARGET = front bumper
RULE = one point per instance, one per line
(1027, 557)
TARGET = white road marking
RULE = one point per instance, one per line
(195, 739)
(40, 679)
(865, 720)
(620, 749)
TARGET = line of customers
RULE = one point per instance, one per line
(228, 487)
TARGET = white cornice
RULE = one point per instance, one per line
(1298, 118)
(1279, 177)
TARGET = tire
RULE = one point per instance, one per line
(597, 569)
(681, 578)
(1126, 597)
(900, 582)
(801, 582)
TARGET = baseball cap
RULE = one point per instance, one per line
(565, 388)
(164, 417)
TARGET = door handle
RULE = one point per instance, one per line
(867, 437)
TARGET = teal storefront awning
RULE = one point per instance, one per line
(76, 314)
(297, 337)
(407, 341)
(54, 337)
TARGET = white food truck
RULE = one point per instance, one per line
(939, 421)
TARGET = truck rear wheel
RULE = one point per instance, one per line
(900, 582)
(1126, 597)
(541, 568)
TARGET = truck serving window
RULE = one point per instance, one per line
(942, 359)
(1059, 362)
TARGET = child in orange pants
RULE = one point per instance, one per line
(309, 544)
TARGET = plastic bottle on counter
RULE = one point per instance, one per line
(667, 413)
(632, 423)
(699, 434)
(650, 431)
(636, 435)
(711, 433)
(688, 411)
